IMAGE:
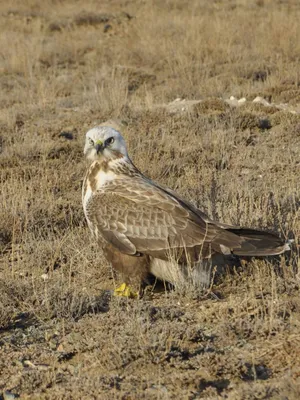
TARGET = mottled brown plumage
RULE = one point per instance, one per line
(140, 222)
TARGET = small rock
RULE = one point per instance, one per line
(45, 277)
(232, 101)
(60, 348)
(282, 106)
(29, 364)
(261, 100)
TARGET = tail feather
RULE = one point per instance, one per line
(258, 243)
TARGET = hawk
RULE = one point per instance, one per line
(145, 228)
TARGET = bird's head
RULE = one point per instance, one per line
(104, 142)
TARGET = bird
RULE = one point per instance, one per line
(146, 229)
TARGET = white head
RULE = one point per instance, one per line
(104, 142)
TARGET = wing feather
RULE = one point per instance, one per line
(136, 216)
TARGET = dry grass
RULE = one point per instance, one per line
(65, 69)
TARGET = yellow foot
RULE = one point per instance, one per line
(125, 291)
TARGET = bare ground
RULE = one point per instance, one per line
(66, 67)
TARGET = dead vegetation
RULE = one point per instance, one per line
(64, 69)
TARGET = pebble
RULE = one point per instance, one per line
(261, 100)
(45, 277)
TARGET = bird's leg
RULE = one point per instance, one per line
(125, 290)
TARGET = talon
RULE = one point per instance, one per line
(125, 291)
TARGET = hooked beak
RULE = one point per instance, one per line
(99, 146)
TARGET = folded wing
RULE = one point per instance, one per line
(136, 217)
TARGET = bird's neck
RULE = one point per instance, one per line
(112, 168)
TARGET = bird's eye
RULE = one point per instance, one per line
(91, 142)
(109, 141)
